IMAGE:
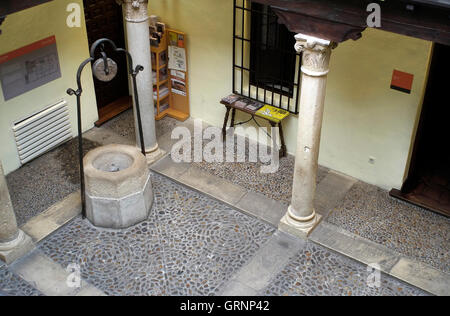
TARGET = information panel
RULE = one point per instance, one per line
(29, 67)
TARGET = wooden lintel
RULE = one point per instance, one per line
(346, 19)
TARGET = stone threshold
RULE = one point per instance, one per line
(329, 192)
(50, 278)
(56, 216)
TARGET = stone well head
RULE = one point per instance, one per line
(118, 187)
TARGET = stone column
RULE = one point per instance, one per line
(301, 217)
(137, 27)
(13, 242)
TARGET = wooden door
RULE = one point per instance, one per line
(104, 20)
(428, 183)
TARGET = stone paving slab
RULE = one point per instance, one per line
(13, 285)
(316, 270)
(330, 191)
(190, 245)
(354, 247)
(422, 276)
(53, 218)
(262, 207)
(48, 277)
(215, 187)
(170, 169)
(266, 263)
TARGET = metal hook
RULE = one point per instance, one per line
(105, 62)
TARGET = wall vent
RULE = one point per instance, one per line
(42, 131)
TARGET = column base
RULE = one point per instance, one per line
(154, 155)
(16, 249)
(297, 228)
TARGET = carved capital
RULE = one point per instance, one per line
(136, 11)
(316, 54)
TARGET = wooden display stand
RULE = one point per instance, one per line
(172, 104)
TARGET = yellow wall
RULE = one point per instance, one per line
(26, 27)
(363, 116)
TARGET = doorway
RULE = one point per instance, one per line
(428, 182)
(104, 20)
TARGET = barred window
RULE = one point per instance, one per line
(265, 63)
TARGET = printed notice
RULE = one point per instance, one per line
(29, 67)
(177, 58)
(178, 74)
(179, 87)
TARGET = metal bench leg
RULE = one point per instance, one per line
(283, 152)
(224, 130)
(233, 117)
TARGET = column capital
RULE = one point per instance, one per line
(136, 11)
(316, 54)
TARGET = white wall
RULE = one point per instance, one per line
(29, 26)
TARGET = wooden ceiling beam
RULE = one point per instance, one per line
(347, 19)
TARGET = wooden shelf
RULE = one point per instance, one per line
(180, 116)
(161, 83)
(178, 104)
(161, 98)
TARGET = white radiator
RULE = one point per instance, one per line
(42, 131)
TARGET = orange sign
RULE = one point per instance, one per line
(402, 81)
(27, 49)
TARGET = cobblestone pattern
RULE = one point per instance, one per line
(369, 212)
(123, 125)
(277, 186)
(190, 245)
(46, 180)
(320, 272)
(12, 285)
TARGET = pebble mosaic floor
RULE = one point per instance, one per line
(369, 212)
(277, 186)
(123, 125)
(320, 272)
(46, 180)
(12, 285)
(190, 245)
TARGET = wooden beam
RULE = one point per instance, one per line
(346, 19)
(11, 6)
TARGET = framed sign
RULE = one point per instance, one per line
(29, 67)
(11, 6)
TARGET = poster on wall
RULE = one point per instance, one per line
(177, 58)
(29, 67)
(11, 6)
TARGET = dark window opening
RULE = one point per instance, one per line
(272, 57)
(264, 59)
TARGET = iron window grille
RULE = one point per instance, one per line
(265, 63)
